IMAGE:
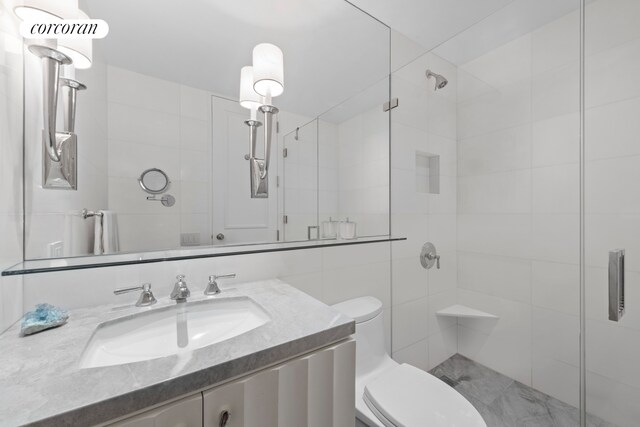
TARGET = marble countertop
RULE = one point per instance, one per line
(42, 384)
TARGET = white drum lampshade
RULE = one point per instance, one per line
(248, 97)
(79, 50)
(39, 10)
(268, 70)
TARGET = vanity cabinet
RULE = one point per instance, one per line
(183, 413)
(314, 390)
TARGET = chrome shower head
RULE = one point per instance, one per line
(441, 81)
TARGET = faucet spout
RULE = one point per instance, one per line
(180, 291)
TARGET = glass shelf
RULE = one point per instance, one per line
(79, 263)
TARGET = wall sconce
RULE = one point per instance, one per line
(59, 148)
(252, 101)
(258, 85)
(59, 161)
(79, 50)
(39, 10)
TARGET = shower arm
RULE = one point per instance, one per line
(51, 61)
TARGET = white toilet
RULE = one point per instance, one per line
(398, 395)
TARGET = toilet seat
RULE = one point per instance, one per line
(405, 396)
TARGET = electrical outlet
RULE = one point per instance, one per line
(190, 239)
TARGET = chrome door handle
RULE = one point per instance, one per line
(616, 284)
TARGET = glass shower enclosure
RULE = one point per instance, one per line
(544, 97)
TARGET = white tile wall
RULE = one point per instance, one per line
(158, 123)
(425, 123)
(329, 274)
(363, 171)
(613, 206)
(517, 223)
(50, 213)
(11, 80)
(518, 188)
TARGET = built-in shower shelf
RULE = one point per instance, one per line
(458, 310)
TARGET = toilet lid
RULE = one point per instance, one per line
(360, 309)
(406, 396)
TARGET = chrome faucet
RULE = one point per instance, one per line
(180, 291)
(146, 297)
(212, 286)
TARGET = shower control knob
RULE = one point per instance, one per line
(429, 256)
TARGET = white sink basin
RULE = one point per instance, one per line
(171, 330)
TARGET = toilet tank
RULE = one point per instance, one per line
(370, 343)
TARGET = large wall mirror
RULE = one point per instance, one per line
(163, 145)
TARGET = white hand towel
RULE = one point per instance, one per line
(107, 239)
(77, 235)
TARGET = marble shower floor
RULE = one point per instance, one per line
(504, 402)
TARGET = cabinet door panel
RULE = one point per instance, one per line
(229, 398)
(183, 413)
(314, 390)
(293, 392)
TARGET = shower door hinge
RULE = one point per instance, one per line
(278, 126)
(390, 105)
(285, 219)
(277, 181)
(285, 152)
(278, 235)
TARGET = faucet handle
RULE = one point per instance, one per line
(222, 276)
(146, 296)
(180, 278)
(212, 287)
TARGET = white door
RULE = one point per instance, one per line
(237, 218)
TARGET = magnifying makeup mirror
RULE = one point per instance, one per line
(154, 181)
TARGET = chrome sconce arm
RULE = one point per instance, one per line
(60, 148)
(52, 59)
(268, 111)
(71, 87)
(253, 136)
(260, 167)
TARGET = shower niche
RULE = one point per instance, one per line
(427, 173)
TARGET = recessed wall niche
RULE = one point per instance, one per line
(427, 173)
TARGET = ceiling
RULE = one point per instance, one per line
(462, 30)
(430, 22)
(332, 51)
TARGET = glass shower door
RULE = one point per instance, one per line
(612, 210)
(300, 183)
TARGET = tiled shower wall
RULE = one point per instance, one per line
(518, 189)
(11, 53)
(424, 123)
